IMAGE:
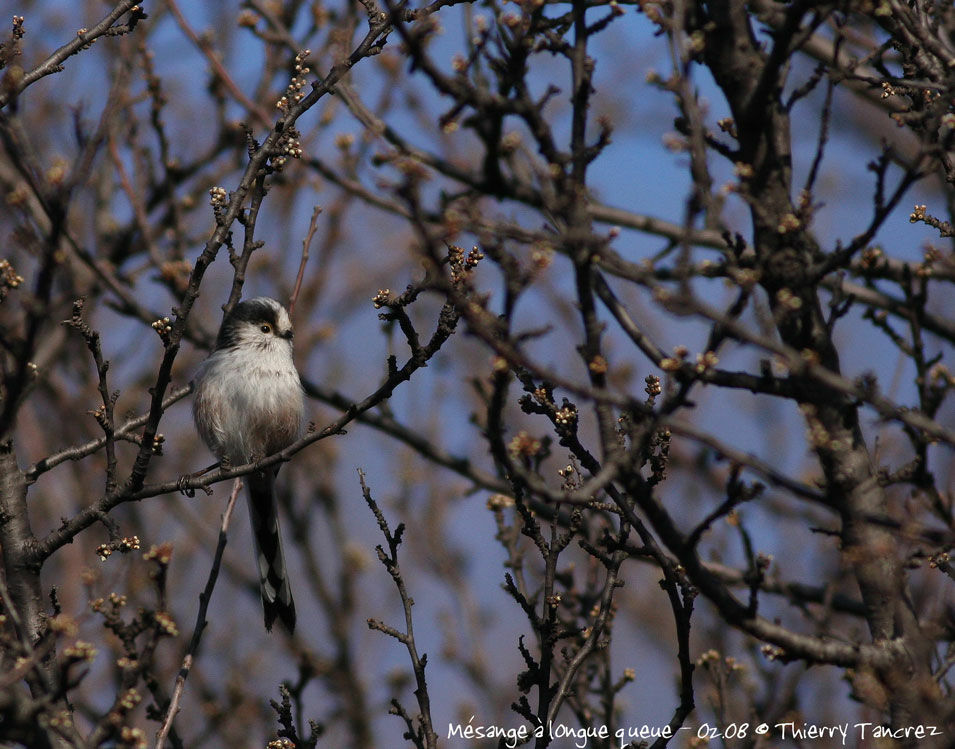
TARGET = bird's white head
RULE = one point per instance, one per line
(260, 323)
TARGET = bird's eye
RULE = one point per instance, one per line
(266, 328)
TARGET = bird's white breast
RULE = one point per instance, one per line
(249, 402)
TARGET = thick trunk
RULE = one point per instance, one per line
(23, 593)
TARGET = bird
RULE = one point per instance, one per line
(249, 404)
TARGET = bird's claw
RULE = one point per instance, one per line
(190, 491)
(183, 489)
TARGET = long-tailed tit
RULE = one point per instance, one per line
(248, 404)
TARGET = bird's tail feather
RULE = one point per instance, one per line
(270, 561)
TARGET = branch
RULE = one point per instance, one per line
(82, 40)
(306, 243)
(204, 598)
(423, 734)
(78, 452)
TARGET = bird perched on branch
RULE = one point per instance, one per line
(248, 405)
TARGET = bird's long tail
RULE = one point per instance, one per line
(270, 561)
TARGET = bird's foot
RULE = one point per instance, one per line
(190, 491)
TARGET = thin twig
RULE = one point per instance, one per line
(82, 40)
(422, 734)
(200, 626)
(312, 226)
(78, 452)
